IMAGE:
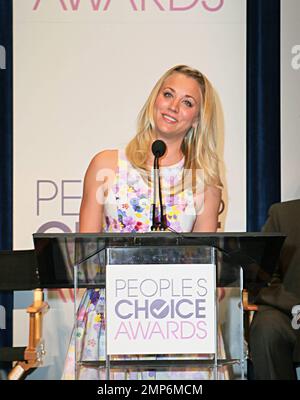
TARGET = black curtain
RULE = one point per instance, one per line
(6, 156)
(263, 109)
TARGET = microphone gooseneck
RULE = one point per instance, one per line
(158, 149)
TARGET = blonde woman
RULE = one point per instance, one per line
(117, 192)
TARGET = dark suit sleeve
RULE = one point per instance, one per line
(273, 225)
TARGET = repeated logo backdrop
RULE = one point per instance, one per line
(290, 99)
(82, 71)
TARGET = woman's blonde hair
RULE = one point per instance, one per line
(198, 145)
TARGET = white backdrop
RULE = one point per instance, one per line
(82, 71)
(290, 99)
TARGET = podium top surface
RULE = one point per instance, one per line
(250, 244)
(158, 235)
(50, 264)
(256, 252)
(228, 241)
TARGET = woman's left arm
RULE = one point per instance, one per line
(207, 218)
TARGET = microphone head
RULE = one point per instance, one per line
(158, 148)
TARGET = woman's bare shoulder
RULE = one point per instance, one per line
(105, 159)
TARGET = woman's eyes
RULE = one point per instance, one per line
(167, 94)
(188, 103)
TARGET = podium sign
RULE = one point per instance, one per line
(160, 309)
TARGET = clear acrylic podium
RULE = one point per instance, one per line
(243, 260)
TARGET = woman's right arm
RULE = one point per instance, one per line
(98, 177)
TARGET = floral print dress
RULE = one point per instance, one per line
(128, 209)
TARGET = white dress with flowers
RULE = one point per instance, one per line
(128, 209)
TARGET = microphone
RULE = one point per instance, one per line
(158, 149)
